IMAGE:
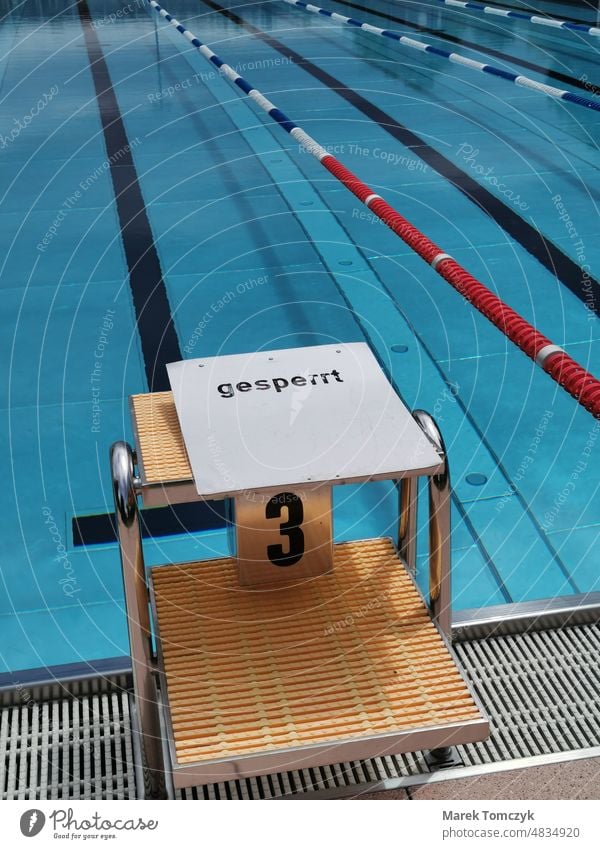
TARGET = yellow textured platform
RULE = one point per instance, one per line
(160, 443)
(347, 655)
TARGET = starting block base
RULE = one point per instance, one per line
(317, 671)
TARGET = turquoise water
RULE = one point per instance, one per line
(234, 206)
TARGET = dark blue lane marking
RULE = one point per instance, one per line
(548, 254)
(156, 522)
(585, 85)
(152, 309)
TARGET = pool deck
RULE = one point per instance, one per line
(577, 779)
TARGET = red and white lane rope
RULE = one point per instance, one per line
(553, 359)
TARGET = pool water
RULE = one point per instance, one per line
(150, 212)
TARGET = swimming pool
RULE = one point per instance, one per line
(138, 186)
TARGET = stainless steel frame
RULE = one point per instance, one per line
(314, 755)
(138, 615)
(407, 527)
(440, 599)
(152, 720)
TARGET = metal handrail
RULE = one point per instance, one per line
(407, 528)
(439, 528)
(138, 616)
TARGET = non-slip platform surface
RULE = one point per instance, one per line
(160, 442)
(347, 655)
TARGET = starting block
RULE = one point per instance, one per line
(294, 651)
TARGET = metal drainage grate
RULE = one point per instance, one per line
(540, 690)
(75, 748)
(352, 775)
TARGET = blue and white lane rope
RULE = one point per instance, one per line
(308, 143)
(523, 16)
(517, 79)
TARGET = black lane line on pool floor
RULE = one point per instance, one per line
(151, 303)
(99, 529)
(585, 85)
(158, 337)
(548, 254)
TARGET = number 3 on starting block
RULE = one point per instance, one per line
(283, 534)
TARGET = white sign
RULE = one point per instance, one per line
(324, 414)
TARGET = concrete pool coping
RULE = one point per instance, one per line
(575, 778)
